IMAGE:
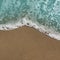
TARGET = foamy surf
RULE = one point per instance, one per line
(27, 22)
(43, 15)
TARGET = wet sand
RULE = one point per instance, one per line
(28, 44)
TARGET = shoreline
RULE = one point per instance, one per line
(26, 22)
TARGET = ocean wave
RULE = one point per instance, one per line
(43, 15)
(26, 22)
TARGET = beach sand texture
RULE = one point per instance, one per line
(28, 44)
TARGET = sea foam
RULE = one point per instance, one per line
(43, 15)
(29, 23)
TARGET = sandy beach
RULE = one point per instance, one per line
(28, 44)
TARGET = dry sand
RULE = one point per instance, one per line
(28, 44)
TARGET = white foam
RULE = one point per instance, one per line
(29, 23)
(41, 28)
(55, 36)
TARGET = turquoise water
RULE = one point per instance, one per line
(43, 12)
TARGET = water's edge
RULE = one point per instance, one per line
(25, 22)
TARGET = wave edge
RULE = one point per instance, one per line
(41, 28)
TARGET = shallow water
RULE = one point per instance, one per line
(41, 13)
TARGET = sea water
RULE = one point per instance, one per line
(43, 15)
